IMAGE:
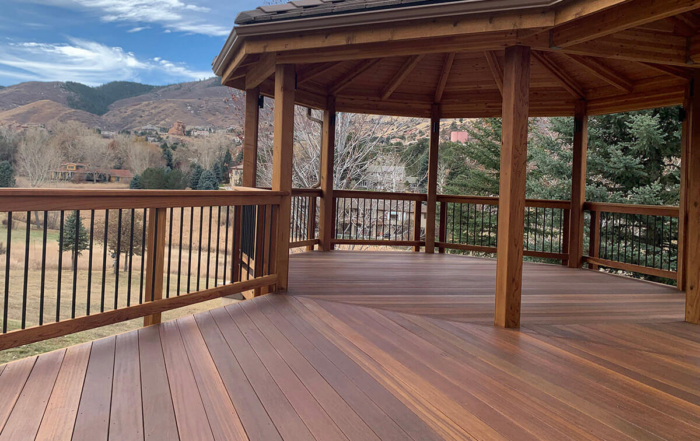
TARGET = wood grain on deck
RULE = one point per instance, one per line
(389, 346)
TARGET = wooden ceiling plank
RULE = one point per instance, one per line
(444, 75)
(682, 27)
(315, 72)
(359, 69)
(604, 73)
(260, 71)
(401, 75)
(562, 77)
(625, 16)
(669, 70)
(496, 69)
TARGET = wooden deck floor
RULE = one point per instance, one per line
(383, 346)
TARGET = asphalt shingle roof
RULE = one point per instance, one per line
(312, 8)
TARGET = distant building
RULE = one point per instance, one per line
(459, 137)
(178, 129)
(200, 133)
(236, 175)
(78, 172)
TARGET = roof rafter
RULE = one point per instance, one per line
(619, 18)
(315, 72)
(604, 73)
(260, 71)
(359, 69)
(496, 69)
(669, 70)
(444, 74)
(401, 75)
(562, 77)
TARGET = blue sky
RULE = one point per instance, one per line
(98, 41)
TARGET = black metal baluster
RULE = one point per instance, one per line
(460, 223)
(653, 256)
(189, 257)
(78, 224)
(43, 271)
(130, 257)
(199, 251)
(26, 268)
(228, 209)
(116, 266)
(218, 240)
(60, 267)
(211, 210)
(104, 262)
(551, 237)
(170, 254)
(5, 305)
(179, 258)
(143, 253)
(89, 276)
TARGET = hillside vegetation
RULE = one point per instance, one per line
(96, 100)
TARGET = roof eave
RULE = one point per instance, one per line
(424, 11)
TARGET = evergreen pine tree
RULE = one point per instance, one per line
(135, 183)
(69, 242)
(208, 181)
(195, 174)
(7, 174)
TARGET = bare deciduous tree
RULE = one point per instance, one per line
(37, 157)
(210, 149)
(139, 155)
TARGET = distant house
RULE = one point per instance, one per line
(459, 137)
(200, 133)
(236, 175)
(78, 172)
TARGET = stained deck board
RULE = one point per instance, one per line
(382, 346)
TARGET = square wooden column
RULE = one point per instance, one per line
(511, 208)
(578, 185)
(250, 138)
(683, 199)
(691, 230)
(325, 225)
(432, 179)
(282, 155)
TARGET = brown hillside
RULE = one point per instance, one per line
(46, 112)
(27, 93)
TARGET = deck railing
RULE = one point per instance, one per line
(635, 238)
(76, 260)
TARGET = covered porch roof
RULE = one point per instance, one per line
(349, 355)
(401, 57)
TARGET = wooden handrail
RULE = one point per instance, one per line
(307, 192)
(493, 200)
(651, 210)
(62, 199)
(363, 194)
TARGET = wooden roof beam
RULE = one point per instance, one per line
(694, 49)
(260, 71)
(401, 75)
(669, 70)
(496, 69)
(314, 72)
(604, 73)
(446, 67)
(562, 77)
(359, 69)
(619, 18)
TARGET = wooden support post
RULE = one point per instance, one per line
(311, 224)
(594, 242)
(282, 156)
(155, 260)
(683, 203)
(250, 138)
(326, 216)
(578, 185)
(511, 210)
(692, 208)
(442, 234)
(417, 214)
(565, 244)
(432, 179)
(236, 245)
(259, 245)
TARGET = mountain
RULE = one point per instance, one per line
(122, 105)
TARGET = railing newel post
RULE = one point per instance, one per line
(311, 227)
(155, 263)
(418, 212)
(442, 233)
(594, 241)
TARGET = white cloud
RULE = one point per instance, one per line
(138, 29)
(87, 62)
(172, 14)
